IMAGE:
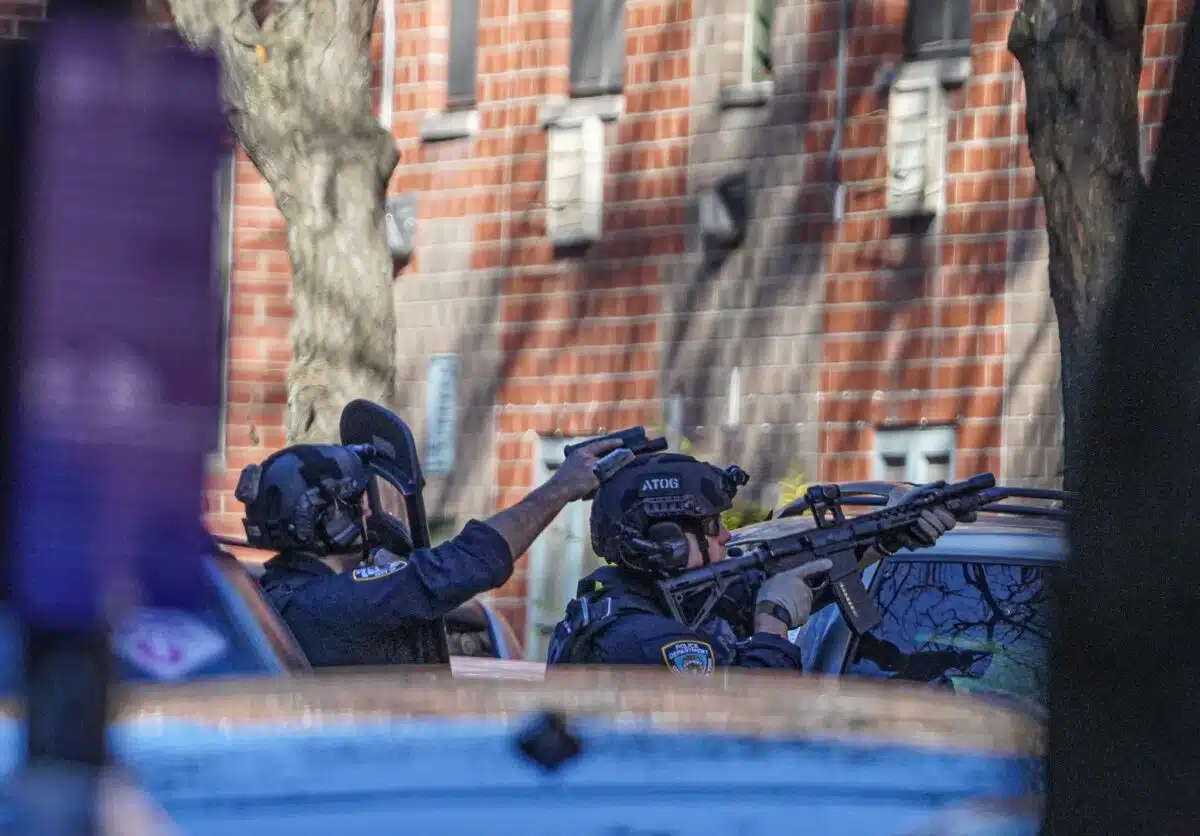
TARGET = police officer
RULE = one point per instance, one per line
(660, 516)
(307, 502)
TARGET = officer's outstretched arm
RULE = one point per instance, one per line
(429, 584)
(522, 523)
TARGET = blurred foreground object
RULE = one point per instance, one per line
(1124, 688)
(748, 753)
(116, 403)
(123, 809)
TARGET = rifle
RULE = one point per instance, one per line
(835, 537)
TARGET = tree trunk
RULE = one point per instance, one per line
(297, 90)
(1082, 64)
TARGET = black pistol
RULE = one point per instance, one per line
(634, 443)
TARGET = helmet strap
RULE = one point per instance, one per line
(697, 531)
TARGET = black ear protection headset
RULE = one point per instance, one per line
(666, 545)
(640, 520)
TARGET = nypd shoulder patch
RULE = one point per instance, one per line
(689, 656)
(374, 573)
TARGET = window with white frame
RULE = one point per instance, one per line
(917, 126)
(914, 454)
(597, 47)
(558, 559)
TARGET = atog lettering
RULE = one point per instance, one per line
(661, 483)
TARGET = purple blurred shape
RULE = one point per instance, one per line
(119, 384)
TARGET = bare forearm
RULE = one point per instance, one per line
(522, 523)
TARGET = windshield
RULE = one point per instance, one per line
(980, 628)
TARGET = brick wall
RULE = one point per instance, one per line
(547, 346)
(869, 322)
(831, 329)
(259, 347)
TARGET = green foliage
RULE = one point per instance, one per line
(746, 513)
(792, 488)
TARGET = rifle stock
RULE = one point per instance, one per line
(840, 539)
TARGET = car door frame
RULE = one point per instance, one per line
(276, 645)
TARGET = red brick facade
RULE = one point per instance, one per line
(832, 329)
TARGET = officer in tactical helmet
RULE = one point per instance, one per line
(660, 516)
(354, 601)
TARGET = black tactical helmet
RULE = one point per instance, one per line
(639, 515)
(307, 497)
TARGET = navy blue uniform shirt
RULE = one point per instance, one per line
(641, 633)
(382, 615)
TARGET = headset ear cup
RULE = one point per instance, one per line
(340, 527)
(673, 542)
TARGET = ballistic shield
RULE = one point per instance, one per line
(394, 494)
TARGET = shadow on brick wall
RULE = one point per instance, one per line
(893, 321)
(817, 314)
(576, 329)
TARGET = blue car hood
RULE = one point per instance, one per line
(466, 776)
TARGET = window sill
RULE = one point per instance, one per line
(949, 72)
(748, 94)
(453, 124)
(562, 112)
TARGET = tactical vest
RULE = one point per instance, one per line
(595, 609)
(419, 644)
(279, 594)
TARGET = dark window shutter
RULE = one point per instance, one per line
(597, 47)
(464, 46)
(937, 29)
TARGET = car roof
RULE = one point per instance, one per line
(991, 536)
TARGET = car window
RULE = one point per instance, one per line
(980, 628)
(160, 645)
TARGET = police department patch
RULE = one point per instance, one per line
(689, 656)
(372, 573)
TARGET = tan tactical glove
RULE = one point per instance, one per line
(787, 597)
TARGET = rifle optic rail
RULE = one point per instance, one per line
(875, 494)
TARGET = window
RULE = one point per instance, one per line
(597, 47)
(575, 165)
(559, 558)
(973, 627)
(917, 128)
(464, 43)
(916, 455)
(758, 52)
(223, 260)
(937, 29)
